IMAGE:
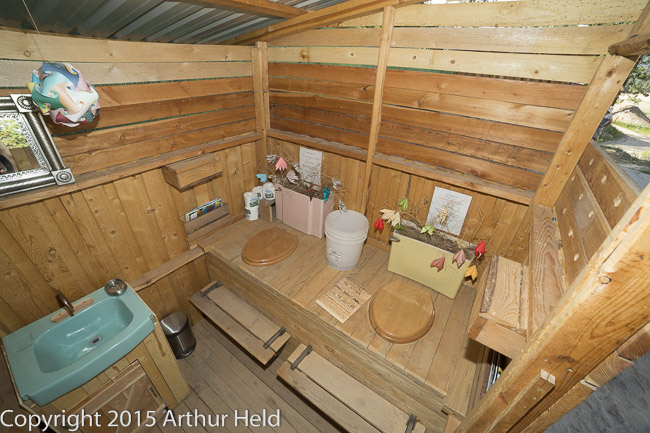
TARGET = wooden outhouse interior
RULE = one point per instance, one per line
(495, 100)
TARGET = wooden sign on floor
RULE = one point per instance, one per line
(343, 300)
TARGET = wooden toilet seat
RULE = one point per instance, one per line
(401, 312)
(269, 247)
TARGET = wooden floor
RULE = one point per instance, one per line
(305, 276)
(224, 379)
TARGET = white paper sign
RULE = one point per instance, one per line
(448, 210)
(310, 164)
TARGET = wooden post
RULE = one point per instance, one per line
(375, 122)
(603, 88)
(261, 91)
(606, 304)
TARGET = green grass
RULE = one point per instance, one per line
(620, 155)
(609, 133)
(637, 129)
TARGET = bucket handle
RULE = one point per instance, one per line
(393, 239)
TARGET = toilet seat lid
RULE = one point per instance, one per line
(401, 312)
(269, 247)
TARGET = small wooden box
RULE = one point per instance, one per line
(267, 210)
(188, 172)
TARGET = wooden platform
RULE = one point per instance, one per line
(416, 376)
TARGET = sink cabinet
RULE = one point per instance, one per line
(127, 395)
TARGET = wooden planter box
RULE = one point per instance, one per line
(412, 259)
(301, 213)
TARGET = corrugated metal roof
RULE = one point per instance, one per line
(143, 20)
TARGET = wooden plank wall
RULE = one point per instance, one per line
(595, 198)
(480, 93)
(157, 100)
(502, 224)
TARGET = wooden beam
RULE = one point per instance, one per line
(603, 88)
(633, 46)
(606, 304)
(261, 92)
(321, 18)
(375, 121)
(147, 279)
(255, 7)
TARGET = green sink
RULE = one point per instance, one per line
(49, 359)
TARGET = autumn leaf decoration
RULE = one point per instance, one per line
(281, 164)
(394, 218)
(438, 263)
(479, 250)
(379, 224)
(471, 272)
(459, 258)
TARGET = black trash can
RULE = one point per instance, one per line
(179, 334)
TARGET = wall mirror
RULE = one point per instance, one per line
(28, 157)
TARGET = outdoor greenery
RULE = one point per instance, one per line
(638, 82)
(11, 134)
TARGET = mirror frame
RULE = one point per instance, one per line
(52, 170)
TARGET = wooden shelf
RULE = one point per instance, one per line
(189, 172)
(254, 332)
(347, 401)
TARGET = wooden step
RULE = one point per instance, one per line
(253, 331)
(499, 317)
(347, 401)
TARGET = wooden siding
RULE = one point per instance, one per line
(121, 219)
(502, 224)
(593, 201)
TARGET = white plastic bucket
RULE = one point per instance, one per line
(259, 192)
(252, 213)
(250, 199)
(346, 232)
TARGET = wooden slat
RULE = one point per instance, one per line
(497, 89)
(370, 406)
(142, 93)
(339, 120)
(506, 175)
(145, 112)
(19, 45)
(637, 345)
(165, 269)
(458, 399)
(207, 218)
(186, 173)
(520, 157)
(324, 401)
(248, 317)
(528, 398)
(328, 133)
(512, 14)
(93, 179)
(375, 121)
(93, 141)
(254, 7)
(547, 40)
(636, 45)
(485, 130)
(465, 181)
(99, 159)
(13, 72)
(575, 257)
(571, 399)
(261, 86)
(244, 338)
(541, 67)
(611, 367)
(547, 284)
(616, 272)
(611, 186)
(585, 40)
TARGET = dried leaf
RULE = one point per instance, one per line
(292, 177)
(471, 272)
(379, 224)
(394, 218)
(479, 250)
(459, 258)
(281, 164)
(270, 159)
(438, 263)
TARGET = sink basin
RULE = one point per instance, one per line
(49, 359)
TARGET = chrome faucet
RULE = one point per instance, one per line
(65, 303)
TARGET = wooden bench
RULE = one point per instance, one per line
(513, 300)
(253, 331)
(347, 401)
